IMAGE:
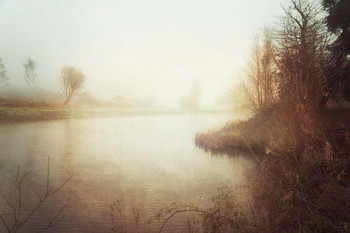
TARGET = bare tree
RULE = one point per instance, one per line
(3, 75)
(30, 75)
(259, 81)
(71, 81)
(302, 41)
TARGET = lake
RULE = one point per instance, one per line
(143, 163)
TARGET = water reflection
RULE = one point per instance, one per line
(148, 162)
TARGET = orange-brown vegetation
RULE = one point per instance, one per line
(304, 177)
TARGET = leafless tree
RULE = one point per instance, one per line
(302, 41)
(71, 81)
(3, 75)
(259, 80)
(30, 75)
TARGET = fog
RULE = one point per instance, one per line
(132, 48)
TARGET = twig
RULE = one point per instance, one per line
(252, 210)
(7, 201)
(256, 157)
(4, 222)
(172, 215)
(17, 210)
(56, 216)
(48, 176)
(61, 186)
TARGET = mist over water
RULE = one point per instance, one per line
(176, 61)
(147, 162)
(131, 48)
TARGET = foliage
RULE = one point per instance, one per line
(338, 21)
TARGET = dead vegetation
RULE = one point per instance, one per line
(303, 184)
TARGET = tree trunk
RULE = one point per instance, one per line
(68, 100)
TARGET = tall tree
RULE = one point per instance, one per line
(71, 81)
(30, 75)
(260, 83)
(338, 21)
(3, 76)
(301, 57)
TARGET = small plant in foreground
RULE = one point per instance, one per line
(118, 219)
(21, 217)
(225, 214)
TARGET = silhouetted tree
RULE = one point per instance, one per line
(30, 75)
(338, 22)
(3, 75)
(301, 56)
(71, 81)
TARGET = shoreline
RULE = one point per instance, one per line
(30, 114)
(248, 134)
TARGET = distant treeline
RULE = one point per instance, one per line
(70, 82)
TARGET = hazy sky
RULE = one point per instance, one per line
(133, 47)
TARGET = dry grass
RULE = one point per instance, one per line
(304, 183)
(5, 102)
(304, 179)
(250, 134)
(16, 114)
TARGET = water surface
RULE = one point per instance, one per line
(146, 162)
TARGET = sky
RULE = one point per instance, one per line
(134, 48)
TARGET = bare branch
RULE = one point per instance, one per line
(17, 210)
(55, 217)
(4, 222)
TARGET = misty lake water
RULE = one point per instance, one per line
(147, 162)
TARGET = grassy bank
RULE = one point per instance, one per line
(250, 134)
(37, 113)
(15, 114)
(24, 114)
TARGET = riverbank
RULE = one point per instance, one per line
(265, 129)
(249, 134)
(304, 179)
(20, 114)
